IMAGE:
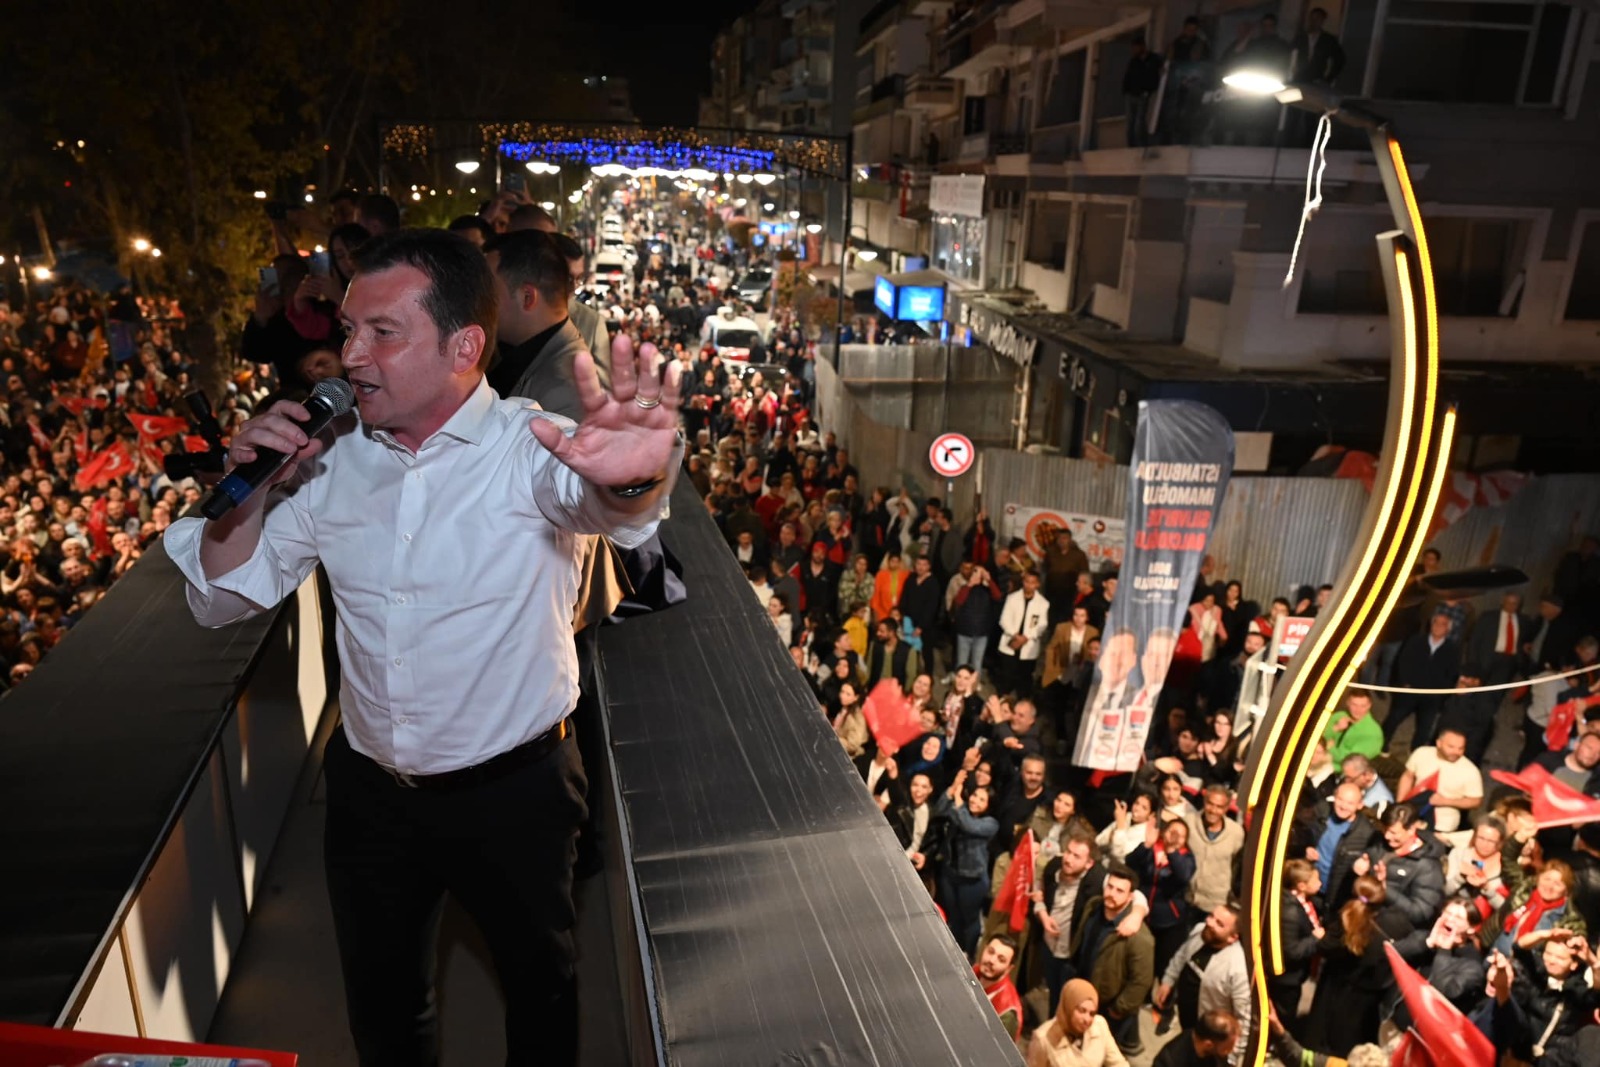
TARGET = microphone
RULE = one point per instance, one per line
(331, 398)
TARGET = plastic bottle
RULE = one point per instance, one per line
(162, 1059)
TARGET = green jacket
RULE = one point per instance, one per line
(1125, 969)
(1363, 738)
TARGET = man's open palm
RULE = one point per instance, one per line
(620, 441)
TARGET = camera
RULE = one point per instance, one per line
(181, 465)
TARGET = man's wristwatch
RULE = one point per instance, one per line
(637, 489)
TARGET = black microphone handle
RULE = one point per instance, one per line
(246, 478)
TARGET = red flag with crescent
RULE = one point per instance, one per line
(1448, 1036)
(889, 715)
(155, 427)
(1554, 802)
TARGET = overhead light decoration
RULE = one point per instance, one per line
(764, 179)
(548, 205)
(155, 253)
(866, 255)
(813, 227)
(42, 274)
(468, 166)
(260, 194)
(745, 179)
(141, 245)
(794, 213)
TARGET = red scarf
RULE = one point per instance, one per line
(1525, 919)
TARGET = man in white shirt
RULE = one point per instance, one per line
(1458, 787)
(448, 521)
(1023, 620)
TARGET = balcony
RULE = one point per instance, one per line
(972, 45)
(790, 8)
(884, 15)
(1026, 21)
(881, 98)
(934, 96)
(800, 94)
(980, 147)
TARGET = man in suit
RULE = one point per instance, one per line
(1494, 648)
(1319, 56)
(1429, 660)
(1553, 637)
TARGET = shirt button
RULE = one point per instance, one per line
(398, 661)
(402, 720)
(400, 600)
(406, 538)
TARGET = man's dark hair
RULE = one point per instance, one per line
(529, 216)
(568, 248)
(460, 287)
(463, 223)
(532, 257)
(352, 234)
(1402, 814)
(1004, 939)
(1216, 1026)
(1191, 21)
(1122, 872)
(380, 209)
(345, 196)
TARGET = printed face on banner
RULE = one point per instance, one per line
(1182, 458)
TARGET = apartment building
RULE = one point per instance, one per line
(1118, 244)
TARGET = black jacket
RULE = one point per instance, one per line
(1560, 643)
(1299, 943)
(1362, 837)
(1091, 887)
(1414, 884)
(1420, 667)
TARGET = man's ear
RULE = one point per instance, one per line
(467, 347)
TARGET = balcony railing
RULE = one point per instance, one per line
(991, 143)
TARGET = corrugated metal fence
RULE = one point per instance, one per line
(1272, 534)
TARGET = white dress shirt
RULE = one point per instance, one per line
(454, 570)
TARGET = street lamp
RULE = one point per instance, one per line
(41, 274)
(468, 166)
(1411, 471)
(813, 227)
(762, 179)
(141, 245)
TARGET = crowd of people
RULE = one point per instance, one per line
(1131, 910)
(95, 389)
(1126, 925)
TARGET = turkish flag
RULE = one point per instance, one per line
(1429, 784)
(107, 466)
(80, 446)
(151, 451)
(155, 427)
(889, 715)
(40, 438)
(1014, 892)
(79, 404)
(1448, 1036)
(1554, 802)
(193, 442)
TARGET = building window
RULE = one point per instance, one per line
(1047, 233)
(1459, 51)
(1477, 264)
(958, 247)
(972, 111)
(1583, 298)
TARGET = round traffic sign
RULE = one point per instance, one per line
(951, 454)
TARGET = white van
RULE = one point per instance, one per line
(612, 272)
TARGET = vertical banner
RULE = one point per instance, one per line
(1182, 458)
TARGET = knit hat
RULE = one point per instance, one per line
(1075, 992)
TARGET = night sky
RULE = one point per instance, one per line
(663, 49)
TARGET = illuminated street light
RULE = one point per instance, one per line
(770, 206)
(141, 245)
(41, 273)
(794, 213)
(548, 205)
(745, 179)
(813, 227)
(310, 198)
(468, 166)
(741, 202)
(866, 255)
(763, 179)
(155, 253)
(1254, 82)
(260, 194)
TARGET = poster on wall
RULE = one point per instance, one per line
(1182, 458)
(1099, 536)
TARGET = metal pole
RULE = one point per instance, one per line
(844, 241)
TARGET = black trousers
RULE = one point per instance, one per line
(504, 849)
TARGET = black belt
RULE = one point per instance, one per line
(494, 767)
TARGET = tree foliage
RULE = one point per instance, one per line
(184, 110)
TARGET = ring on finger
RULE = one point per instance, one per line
(647, 404)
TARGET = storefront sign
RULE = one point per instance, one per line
(1182, 459)
(996, 331)
(956, 194)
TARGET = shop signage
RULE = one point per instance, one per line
(996, 332)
